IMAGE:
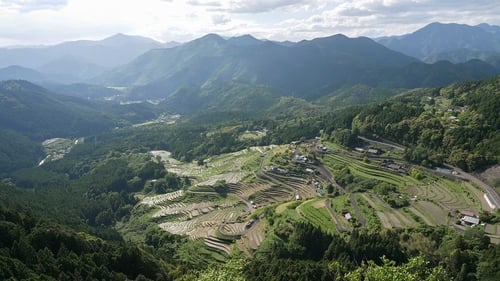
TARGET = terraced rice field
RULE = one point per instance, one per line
(430, 213)
(218, 244)
(183, 211)
(389, 217)
(449, 195)
(252, 239)
(203, 225)
(244, 190)
(233, 229)
(228, 167)
(370, 171)
(315, 211)
(272, 195)
(299, 185)
(162, 198)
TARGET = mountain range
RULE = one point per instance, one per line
(307, 69)
(78, 60)
(202, 71)
(448, 41)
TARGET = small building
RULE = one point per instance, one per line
(359, 149)
(373, 151)
(301, 158)
(297, 197)
(348, 216)
(470, 221)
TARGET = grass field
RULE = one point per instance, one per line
(315, 212)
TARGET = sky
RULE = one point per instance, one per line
(46, 22)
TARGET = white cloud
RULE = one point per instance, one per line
(50, 21)
(260, 6)
(32, 5)
(220, 19)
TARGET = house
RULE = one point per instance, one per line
(300, 158)
(359, 149)
(470, 221)
(348, 216)
(373, 151)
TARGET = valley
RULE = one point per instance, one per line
(230, 193)
(332, 158)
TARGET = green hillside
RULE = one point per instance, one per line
(318, 160)
(308, 69)
(458, 124)
(33, 111)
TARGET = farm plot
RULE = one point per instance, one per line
(162, 198)
(233, 229)
(369, 171)
(493, 229)
(299, 185)
(183, 211)
(315, 212)
(448, 195)
(218, 244)
(203, 225)
(388, 216)
(429, 212)
(228, 167)
(245, 190)
(252, 239)
(271, 195)
(368, 212)
(338, 205)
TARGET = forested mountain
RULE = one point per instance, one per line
(33, 111)
(454, 42)
(307, 69)
(22, 73)
(81, 90)
(458, 124)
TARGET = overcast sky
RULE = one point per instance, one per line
(34, 22)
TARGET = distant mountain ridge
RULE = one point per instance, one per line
(79, 60)
(435, 40)
(294, 70)
(306, 69)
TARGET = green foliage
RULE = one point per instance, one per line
(232, 270)
(457, 124)
(417, 174)
(53, 252)
(17, 151)
(416, 269)
(33, 111)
